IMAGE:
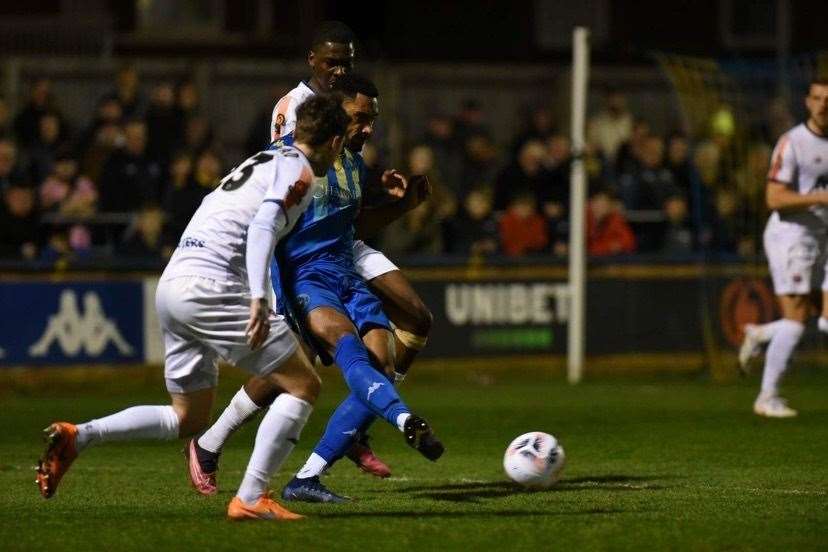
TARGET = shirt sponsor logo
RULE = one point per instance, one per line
(190, 242)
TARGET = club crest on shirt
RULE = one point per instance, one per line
(296, 192)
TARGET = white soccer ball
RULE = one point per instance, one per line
(534, 460)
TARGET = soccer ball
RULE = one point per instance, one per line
(534, 460)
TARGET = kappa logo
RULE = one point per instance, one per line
(350, 433)
(91, 331)
(373, 387)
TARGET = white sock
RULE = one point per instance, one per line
(241, 408)
(822, 324)
(785, 338)
(278, 433)
(314, 466)
(138, 422)
(401, 419)
(767, 331)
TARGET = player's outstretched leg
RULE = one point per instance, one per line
(411, 322)
(379, 395)
(65, 441)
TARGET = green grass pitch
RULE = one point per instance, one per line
(678, 463)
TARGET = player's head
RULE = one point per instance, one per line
(817, 103)
(360, 103)
(331, 54)
(321, 123)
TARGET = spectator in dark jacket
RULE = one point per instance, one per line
(678, 235)
(474, 230)
(526, 175)
(44, 149)
(10, 171)
(162, 124)
(27, 121)
(647, 186)
(128, 92)
(19, 230)
(130, 178)
(145, 240)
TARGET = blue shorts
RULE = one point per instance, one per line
(326, 284)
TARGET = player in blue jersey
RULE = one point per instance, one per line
(317, 281)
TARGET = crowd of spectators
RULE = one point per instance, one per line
(664, 196)
(126, 183)
(118, 186)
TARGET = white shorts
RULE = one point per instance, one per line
(202, 321)
(369, 262)
(797, 258)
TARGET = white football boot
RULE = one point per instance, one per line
(773, 407)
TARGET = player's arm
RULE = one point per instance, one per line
(780, 197)
(406, 196)
(784, 170)
(281, 206)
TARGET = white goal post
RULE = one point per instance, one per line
(578, 190)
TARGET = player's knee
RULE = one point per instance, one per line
(331, 334)
(420, 319)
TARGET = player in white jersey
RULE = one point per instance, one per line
(212, 303)
(796, 244)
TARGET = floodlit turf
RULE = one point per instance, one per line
(652, 464)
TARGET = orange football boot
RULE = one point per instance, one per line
(265, 509)
(61, 451)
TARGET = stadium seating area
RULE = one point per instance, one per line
(122, 182)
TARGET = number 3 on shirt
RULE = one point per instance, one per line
(243, 172)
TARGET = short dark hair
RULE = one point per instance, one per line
(336, 32)
(319, 118)
(821, 80)
(351, 84)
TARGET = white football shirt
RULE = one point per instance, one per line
(283, 120)
(214, 244)
(800, 161)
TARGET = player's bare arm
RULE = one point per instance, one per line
(780, 197)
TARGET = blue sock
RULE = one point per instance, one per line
(369, 385)
(342, 428)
